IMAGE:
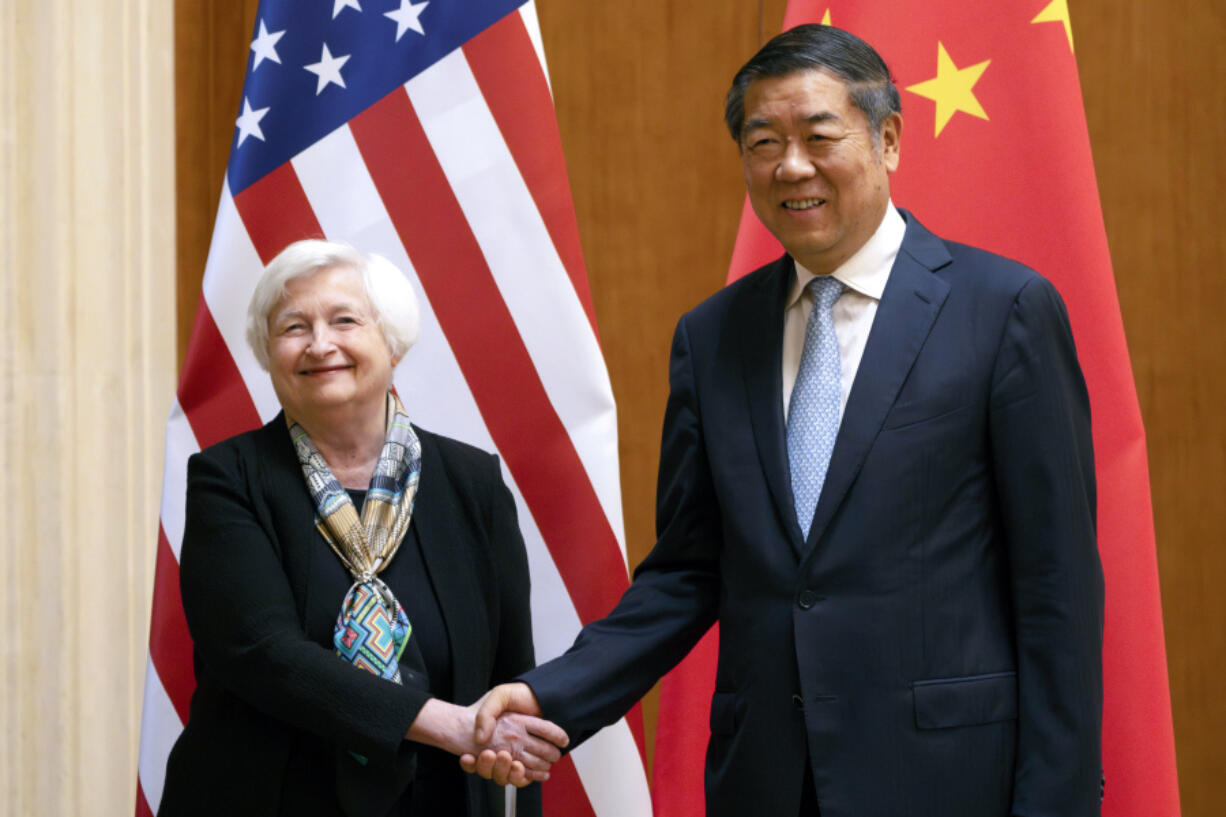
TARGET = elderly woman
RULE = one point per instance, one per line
(346, 574)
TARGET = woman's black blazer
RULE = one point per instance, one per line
(277, 718)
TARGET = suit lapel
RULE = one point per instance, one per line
(449, 562)
(909, 306)
(290, 503)
(761, 343)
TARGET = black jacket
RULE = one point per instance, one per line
(277, 717)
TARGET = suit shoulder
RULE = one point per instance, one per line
(717, 306)
(995, 273)
(245, 446)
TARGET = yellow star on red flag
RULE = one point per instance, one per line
(952, 89)
(826, 18)
(1057, 12)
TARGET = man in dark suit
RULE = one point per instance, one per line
(876, 474)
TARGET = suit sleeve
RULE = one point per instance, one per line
(674, 597)
(245, 627)
(1043, 463)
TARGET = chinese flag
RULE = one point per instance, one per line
(995, 153)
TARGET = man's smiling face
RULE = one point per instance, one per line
(816, 177)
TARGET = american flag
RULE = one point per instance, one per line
(424, 132)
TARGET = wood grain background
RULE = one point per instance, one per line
(638, 86)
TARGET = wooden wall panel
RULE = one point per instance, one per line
(1151, 76)
(639, 87)
(212, 44)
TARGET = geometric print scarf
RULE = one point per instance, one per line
(372, 629)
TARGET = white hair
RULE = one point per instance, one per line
(390, 293)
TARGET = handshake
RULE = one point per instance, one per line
(500, 737)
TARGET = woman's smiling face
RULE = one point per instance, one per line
(325, 346)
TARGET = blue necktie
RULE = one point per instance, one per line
(813, 411)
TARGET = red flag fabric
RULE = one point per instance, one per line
(996, 153)
(425, 134)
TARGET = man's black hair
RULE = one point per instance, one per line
(815, 47)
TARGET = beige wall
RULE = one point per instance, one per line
(87, 259)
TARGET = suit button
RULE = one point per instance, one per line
(798, 702)
(807, 599)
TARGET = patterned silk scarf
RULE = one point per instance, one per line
(371, 630)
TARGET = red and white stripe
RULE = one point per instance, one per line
(460, 170)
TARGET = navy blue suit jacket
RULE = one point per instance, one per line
(934, 648)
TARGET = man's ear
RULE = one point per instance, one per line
(891, 141)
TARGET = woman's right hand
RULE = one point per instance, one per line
(501, 714)
(533, 742)
(520, 748)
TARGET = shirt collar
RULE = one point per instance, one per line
(867, 271)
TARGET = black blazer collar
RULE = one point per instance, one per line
(437, 521)
(761, 344)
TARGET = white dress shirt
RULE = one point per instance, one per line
(864, 276)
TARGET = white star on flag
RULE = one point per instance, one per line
(328, 69)
(248, 123)
(265, 46)
(406, 17)
(340, 5)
